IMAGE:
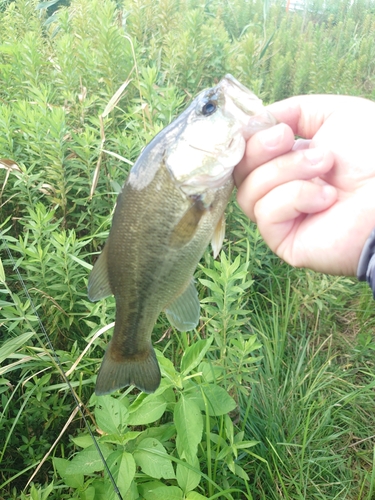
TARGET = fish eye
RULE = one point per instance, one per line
(209, 108)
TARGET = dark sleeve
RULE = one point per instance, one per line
(366, 264)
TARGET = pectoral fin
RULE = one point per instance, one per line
(218, 236)
(98, 286)
(183, 313)
(187, 225)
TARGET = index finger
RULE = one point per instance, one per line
(305, 114)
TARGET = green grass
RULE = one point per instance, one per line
(311, 408)
(273, 395)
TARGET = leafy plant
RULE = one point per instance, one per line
(179, 450)
(273, 394)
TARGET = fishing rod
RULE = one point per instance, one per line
(56, 358)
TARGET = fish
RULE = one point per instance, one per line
(169, 209)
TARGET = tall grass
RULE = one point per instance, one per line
(272, 396)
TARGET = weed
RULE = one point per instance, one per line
(272, 396)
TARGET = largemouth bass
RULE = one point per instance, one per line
(170, 207)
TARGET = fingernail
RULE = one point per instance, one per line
(328, 191)
(272, 137)
(314, 155)
(301, 144)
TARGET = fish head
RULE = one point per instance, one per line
(212, 133)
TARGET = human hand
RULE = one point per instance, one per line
(313, 200)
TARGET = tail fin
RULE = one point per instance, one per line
(141, 371)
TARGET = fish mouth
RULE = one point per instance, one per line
(255, 116)
(243, 98)
(229, 80)
(213, 154)
(220, 170)
(202, 182)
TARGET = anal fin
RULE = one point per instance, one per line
(183, 313)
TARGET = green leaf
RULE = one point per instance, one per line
(210, 372)
(217, 399)
(122, 467)
(162, 493)
(187, 478)
(111, 414)
(189, 426)
(2, 273)
(119, 439)
(150, 486)
(211, 285)
(246, 444)
(12, 345)
(239, 471)
(87, 461)
(45, 5)
(229, 429)
(194, 354)
(151, 409)
(72, 480)
(153, 459)
(81, 262)
(168, 370)
(227, 450)
(193, 495)
(83, 441)
(40, 493)
(89, 493)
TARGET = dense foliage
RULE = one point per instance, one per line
(272, 396)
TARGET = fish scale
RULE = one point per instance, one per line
(168, 211)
